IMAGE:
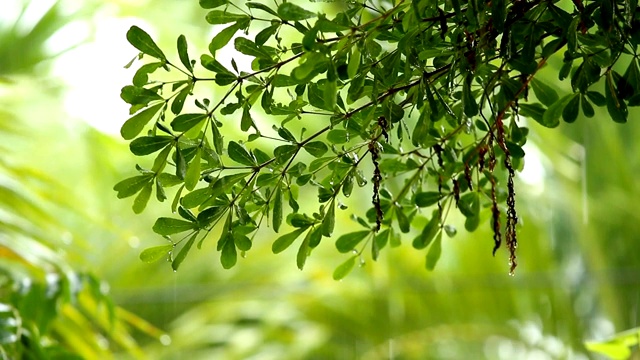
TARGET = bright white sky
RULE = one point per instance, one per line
(95, 73)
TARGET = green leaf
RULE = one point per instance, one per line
(141, 77)
(181, 164)
(634, 100)
(277, 209)
(155, 253)
(534, 111)
(499, 14)
(316, 97)
(131, 186)
(303, 250)
(356, 88)
(469, 101)
(300, 220)
(291, 12)
(223, 37)
(140, 202)
(515, 150)
(523, 65)
(255, 5)
(472, 223)
(176, 198)
(597, 98)
(192, 175)
(225, 183)
(212, 214)
(132, 127)
(315, 237)
(246, 121)
(313, 64)
(379, 242)
(183, 252)
(169, 226)
(185, 122)
(146, 145)
(587, 108)
(329, 220)
(212, 64)
(325, 25)
(330, 93)
(428, 198)
(545, 93)
(266, 33)
(143, 42)
(338, 136)
(616, 106)
(229, 256)
(570, 112)
(316, 148)
(631, 81)
(428, 232)
(469, 204)
(403, 220)
(216, 17)
(178, 101)
(186, 214)
(423, 125)
(240, 155)
(434, 252)
(196, 197)
(243, 243)
(160, 194)
(248, 47)
(565, 70)
(136, 95)
(218, 140)
(284, 241)
(551, 117)
(183, 53)
(280, 80)
(283, 153)
(585, 75)
(344, 269)
(212, 4)
(611, 349)
(168, 180)
(348, 242)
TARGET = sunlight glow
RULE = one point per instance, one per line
(94, 74)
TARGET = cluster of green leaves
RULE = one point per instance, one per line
(429, 91)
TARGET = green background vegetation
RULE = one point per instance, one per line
(577, 278)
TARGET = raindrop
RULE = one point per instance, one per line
(165, 339)
(467, 126)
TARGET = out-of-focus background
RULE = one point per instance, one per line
(71, 279)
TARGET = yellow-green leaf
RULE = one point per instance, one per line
(344, 269)
(155, 253)
(132, 127)
(192, 175)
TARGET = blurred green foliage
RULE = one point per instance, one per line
(577, 280)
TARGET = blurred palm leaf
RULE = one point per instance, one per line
(23, 44)
(47, 309)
